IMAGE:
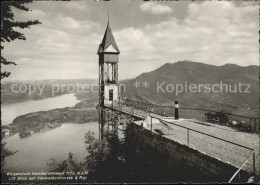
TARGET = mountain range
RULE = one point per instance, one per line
(162, 84)
(159, 87)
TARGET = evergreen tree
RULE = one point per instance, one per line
(5, 152)
(8, 34)
(8, 25)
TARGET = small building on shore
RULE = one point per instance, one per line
(5, 132)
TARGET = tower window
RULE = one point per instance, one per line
(111, 94)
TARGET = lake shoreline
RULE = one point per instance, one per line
(35, 152)
(28, 124)
(25, 125)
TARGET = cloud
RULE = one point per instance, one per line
(155, 8)
(77, 5)
(60, 47)
(228, 35)
(65, 47)
(220, 33)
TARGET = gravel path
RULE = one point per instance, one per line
(211, 146)
(222, 150)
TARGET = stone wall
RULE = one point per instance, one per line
(174, 161)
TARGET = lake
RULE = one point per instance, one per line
(12, 110)
(35, 151)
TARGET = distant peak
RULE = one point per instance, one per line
(230, 64)
(187, 61)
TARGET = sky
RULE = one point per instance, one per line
(148, 34)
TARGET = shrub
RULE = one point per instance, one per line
(223, 115)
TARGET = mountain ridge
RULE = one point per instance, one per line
(189, 72)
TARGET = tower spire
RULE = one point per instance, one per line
(108, 18)
(108, 40)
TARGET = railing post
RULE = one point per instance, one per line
(188, 136)
(251, 125)
(176, 110)
(257, 125)
(254, 161)
(151, 123)
(164, 111)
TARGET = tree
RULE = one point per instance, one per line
(5, 153)
(8, 34)
(8, 25)
(105, 160)
(68, 165)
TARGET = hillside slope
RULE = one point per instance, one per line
(187, 72)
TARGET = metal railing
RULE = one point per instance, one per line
(209, 144)
(239, 122)
(217, 147)
(243, 123)
(125, 107)
(237, 173)
(148, 107)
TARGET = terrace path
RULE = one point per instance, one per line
(222, 142)
(223, 150)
